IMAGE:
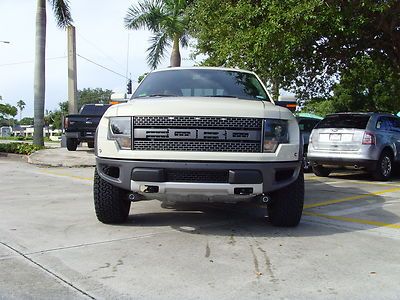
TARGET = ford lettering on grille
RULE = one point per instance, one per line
(197, 134)
(204, 134)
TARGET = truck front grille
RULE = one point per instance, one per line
(196, 146)
(201, 134)
(197, 122)
(209, 176)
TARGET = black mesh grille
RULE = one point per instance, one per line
(148, 145)
(209, 176)
(198, 122)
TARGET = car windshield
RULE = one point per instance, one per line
(201, 83)
(355, 121)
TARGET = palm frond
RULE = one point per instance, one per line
(147, 14)
(61, 12)
(159, 42)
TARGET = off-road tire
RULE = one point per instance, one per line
(90, 144)
(320, 171)
(286, 205)
(110, 202)
(72, 144)
(384, 167)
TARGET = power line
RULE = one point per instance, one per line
(101, 66)
(30, 61)
(60, 57)
(98, 49)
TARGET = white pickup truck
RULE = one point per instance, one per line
(201, 135)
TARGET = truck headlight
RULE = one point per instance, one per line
(275, 133)
(120, 130)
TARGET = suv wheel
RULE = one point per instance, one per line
(72, 144)
(286, 207)
(384, 166)
(110, 202)
(321, 171)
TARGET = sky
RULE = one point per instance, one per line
(100, 37)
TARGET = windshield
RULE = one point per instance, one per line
(94, 109)
(344, 121)
(201, 83)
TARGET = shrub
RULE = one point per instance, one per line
(19, 148)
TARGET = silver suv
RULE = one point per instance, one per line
(369, 141)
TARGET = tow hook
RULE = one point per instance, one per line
(265, 199)
(133, 197)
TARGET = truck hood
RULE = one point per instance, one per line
(198, 106)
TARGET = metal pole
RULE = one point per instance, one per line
(72, 78)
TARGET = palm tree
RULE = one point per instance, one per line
(63, 17)
(21, 105)
(168, 21)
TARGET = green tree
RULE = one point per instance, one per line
(63, 16)
(365, 86)
(97, 95)
(304, 46)
(26, 121)
(21, 105)
(7, 110)
(7, 114)
(55, 118)
(168, 21)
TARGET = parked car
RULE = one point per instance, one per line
(307, 123)
(369, 141)
(82, 127)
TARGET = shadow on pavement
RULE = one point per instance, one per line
(223, 219)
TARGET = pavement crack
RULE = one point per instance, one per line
(255, 261)
(208, 251)
(268, 264)
(51, 273)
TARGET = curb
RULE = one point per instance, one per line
(60, 157)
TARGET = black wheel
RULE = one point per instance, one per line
(286, 207)
(72, 144)
(320, 171)
(110, 202)
(384, 166)
(90, 144)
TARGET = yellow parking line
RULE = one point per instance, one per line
(350, 181)
(353, 220)
(351, 198)
(67, 175)
(375, 183)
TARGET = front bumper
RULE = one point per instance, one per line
(261, 177)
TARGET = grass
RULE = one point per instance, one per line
(19, 148)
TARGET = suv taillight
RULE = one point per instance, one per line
(65, 122)
(368, 138)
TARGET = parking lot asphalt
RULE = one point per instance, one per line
(51, 244)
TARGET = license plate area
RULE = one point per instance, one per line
(335, 137)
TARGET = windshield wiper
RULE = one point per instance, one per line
(156, 95)
(222, 96)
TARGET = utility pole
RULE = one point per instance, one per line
(72, 81)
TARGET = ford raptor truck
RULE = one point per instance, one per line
(200, 135)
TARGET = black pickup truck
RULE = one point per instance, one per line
(82, 127)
